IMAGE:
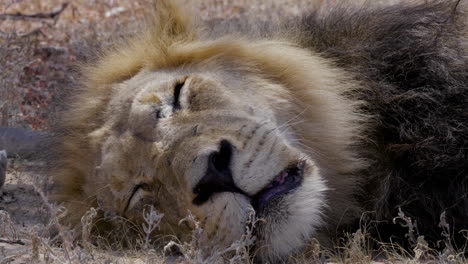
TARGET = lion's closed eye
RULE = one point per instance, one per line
(138, 192)
(177, 89)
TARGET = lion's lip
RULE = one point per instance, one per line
(285, 182)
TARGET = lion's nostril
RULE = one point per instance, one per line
(218, 176)
(220, 160)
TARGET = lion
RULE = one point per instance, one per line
(307, 123)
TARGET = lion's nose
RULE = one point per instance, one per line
(218, 176)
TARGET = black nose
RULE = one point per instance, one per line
(218, 176)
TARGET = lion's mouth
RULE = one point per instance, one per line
(285, 182)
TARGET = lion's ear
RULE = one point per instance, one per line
(171, 21)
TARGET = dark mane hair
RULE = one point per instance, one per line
(413, 60)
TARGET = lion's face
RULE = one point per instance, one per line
(217, 128)
(207, 144)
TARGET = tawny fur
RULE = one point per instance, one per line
(326, 93)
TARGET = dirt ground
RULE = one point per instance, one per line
(22, 211)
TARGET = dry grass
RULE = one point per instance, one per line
(38, 59)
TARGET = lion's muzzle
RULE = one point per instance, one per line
(218, 176)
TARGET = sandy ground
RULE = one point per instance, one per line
(22, 211)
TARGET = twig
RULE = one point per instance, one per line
(36, 31)
(35, 16)
(13, 35)
(14, 242)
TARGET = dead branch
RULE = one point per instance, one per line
(35, 16)
(14, 242)
(36, 31)
(14, 35)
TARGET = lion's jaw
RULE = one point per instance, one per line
(158, 144)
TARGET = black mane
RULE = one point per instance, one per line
(413, 62)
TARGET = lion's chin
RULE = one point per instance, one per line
(291, 220)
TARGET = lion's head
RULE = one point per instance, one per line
(216, 127)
